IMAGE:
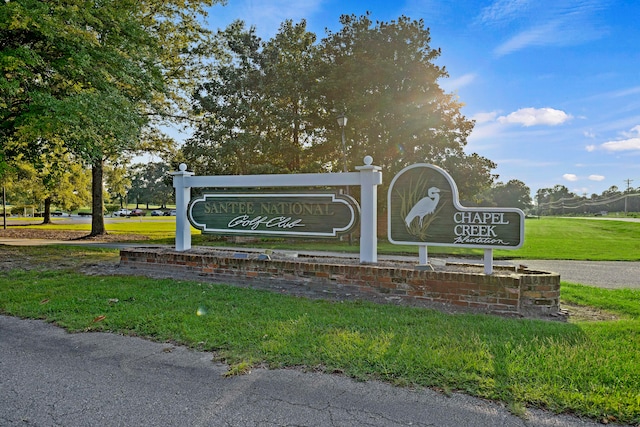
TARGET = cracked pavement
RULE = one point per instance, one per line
(49, 377)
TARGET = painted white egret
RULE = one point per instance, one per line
(424, 207)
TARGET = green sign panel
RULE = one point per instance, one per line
(424, 209)
(274, 214)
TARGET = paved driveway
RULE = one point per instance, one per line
(51, 378)
(604, 274)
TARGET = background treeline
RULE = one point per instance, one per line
(560, 201)
(86, 86)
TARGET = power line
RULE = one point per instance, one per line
(628, 181)
(577, 203)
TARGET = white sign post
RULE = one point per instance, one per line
(368, 178)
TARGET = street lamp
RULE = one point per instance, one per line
(342, 122)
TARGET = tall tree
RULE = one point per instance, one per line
(261, 110)
(117, 180)
(228, 140)
(513, 194)
(150, 184)
(552, 200)
(273, 105)
(384, 77)
(290, 85)
(159, 183)
(96, 75)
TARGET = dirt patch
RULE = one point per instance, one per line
(66, 235)
(581, 313)
(73, 258)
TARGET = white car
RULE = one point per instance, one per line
(122, 212)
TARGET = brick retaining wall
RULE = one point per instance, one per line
(525, 293)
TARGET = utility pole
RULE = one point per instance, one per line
(626, 194)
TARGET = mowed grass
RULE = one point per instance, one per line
(588, 368)
(154, 228)
(545, 238)
(579, 239)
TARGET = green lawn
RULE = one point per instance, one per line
(588, 367)
(545, 238)
(579, 239)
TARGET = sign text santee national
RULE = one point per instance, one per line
(279, 214)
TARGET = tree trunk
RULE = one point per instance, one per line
(47, 211)
(97, 211)
(4, 207)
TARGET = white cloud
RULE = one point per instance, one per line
(503, 10)
(635, 131)
(485, 131)
(540, 23)
(450, 85)
(536, 116)
(631, 141)
(596, 178)
(570, 177)
(626, 92)
(484, 117)
(538, 36)
(589, 134)
(590, 148)
(631, 144)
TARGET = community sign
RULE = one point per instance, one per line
(424, 209)
(274, 214)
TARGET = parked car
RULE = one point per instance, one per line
(172, 212)
(157, 213)
(122, 212)
(137, 212)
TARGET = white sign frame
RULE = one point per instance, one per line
(368, 177)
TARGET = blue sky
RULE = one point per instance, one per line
(554, 86)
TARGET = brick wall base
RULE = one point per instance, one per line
(525, 293)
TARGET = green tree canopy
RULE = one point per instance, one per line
(96, 75)
(513, 194)
(273, 104)
(150, 184)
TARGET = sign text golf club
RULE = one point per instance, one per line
(274, 214)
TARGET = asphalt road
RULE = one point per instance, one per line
(51, 378)
(604, 274)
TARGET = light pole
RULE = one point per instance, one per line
(342, 122)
